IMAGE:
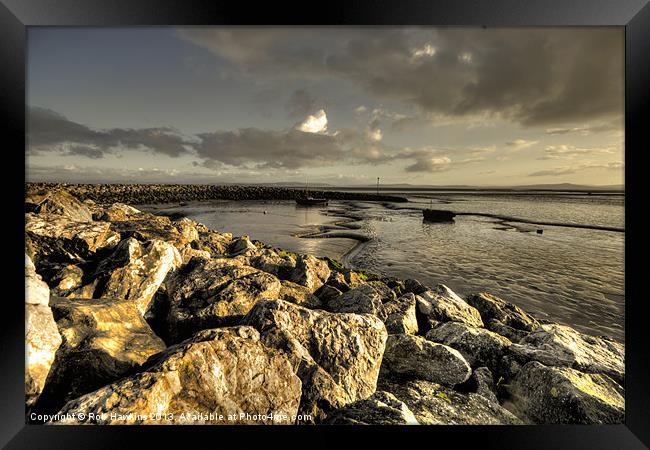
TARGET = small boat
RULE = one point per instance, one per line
(438, 215)
(311, 201)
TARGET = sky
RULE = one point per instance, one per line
(337, 105)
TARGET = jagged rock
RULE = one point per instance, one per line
(118, 212)
(36, 290)
(363, 299)
(415, 357)
(326, 293)
(560, 345)
(400, 315)
(562, 395)
(59, 239)
(386, 294)
(206, 294)
(337, 356)
(63, 278)
(482, 382)
(382, 408)
(337, 281)
(495, 312)
(479, 346)
(212, 241)
(442, 304)
(60, 203)
(310, 272)
(414, 286)
(271, 262)
(512, 334)
(433, 404)
(145, 227)
(300, 295)
(223, 372)
(135, 271)
(188, 253)
(103, 340)
(243, 246)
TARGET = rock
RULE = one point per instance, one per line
(414, 286)
(386, 294)
(442, 304)
(188, 253)
(271, 262)
(42, 340)
(118, 212)
(337, 356)
(212, 241)
(207, 294)
(135, 271)
(479, 346)
(145, 227)
(243, 246)
(310, 272)
(219, 372)
(60, 203)
(560, 345)
(363, 299)
(562, 395)
(433, 404)
(36, 290)
(482, 382)
(300, 295)
(382, 408)
(512, 334)
(58, 239)
(400, 315)
(63, 278)
(327, 293)
(337, 281)
(415, 357)
(493, 308)
(103, 340)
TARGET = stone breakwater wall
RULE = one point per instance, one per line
(139, 194)
(134, 318)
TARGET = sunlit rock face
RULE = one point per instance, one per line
(337, 356)
(562, 395)
(42, 338)
(103, 340)
(442, 304)
(226, 372)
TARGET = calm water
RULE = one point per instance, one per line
(568, 275)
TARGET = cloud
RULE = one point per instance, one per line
(48, 130)
(316, 123)
(565, 151)
(432, 164)
(360, 109)
(584, 130)
(533, 76)
(300, 103)
(520, 144)
(566, 170)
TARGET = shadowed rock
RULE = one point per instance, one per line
(441, 304)
(400, 315)
(221, 371)
(382, 408)
(310, 272)
(363, 299)
(61, 203)
(495, 311)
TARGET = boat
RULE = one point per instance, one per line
(311, 201)
(308, 200)
(438, 215)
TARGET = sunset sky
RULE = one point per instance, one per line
(344, 105)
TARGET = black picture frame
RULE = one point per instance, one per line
(634, 15)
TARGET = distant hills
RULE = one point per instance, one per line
(408, 186)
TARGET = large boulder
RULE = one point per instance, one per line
(337, 356)
(382, 408)
(103, 340)
(212, 241)
(310, 272)
(562, 395)
(415, 357)
(300, 295)
(560, 345)
(219, 376)
(145, 227)
(363, 299)
(117, 212)
(64, 278)
(243, 247)
(282, 266)
(36, 290)
(207, 294)
(61, 203)
(57, 238)
(441, 304)
(433, 404)
(496, 313)
(134, 271)
(400, 315)
(479, 346)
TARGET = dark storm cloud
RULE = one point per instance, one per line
(300, 104)
(533, 76)
(49, 130)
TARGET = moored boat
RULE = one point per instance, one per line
(438, 215)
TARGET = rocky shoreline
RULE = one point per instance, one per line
(168, 193)
(136, 318)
